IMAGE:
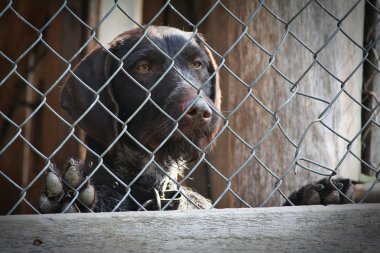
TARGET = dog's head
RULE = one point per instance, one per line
(160, 83)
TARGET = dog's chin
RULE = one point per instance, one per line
(181, 147)
(188, 143)
(180, 150)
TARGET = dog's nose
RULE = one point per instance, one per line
(199, 110)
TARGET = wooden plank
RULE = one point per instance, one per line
(371, 92)
(13, 97)
(19, 162)
(17, 101)
(345, 228)
(252, 122)
(150, 9)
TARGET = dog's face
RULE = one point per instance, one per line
(162, 85)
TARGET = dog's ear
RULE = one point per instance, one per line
(77, 99)
(216, 96)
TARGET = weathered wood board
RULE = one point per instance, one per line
(269, 148)
(41, 68)
(345, 228)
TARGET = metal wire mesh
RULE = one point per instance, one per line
(356, 146)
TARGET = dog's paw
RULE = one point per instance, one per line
(323, 192)
(67, 192)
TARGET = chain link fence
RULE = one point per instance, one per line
(300, 97)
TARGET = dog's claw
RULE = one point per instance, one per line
(53, 185)
(339, 185)
(46, 205)
(73, 176)
(87, 195)
(59, 191)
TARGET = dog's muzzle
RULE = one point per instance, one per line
(199, 111)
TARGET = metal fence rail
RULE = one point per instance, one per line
(15, 130)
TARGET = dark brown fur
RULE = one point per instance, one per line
(122, 90)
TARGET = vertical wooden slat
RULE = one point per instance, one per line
(371, 90)
(50, 128)
(150, 9)
(44, 130)
(13, 98)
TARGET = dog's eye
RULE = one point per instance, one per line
(196, 64)
(143, 68)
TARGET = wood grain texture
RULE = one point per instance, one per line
(346, 228)
(41, 68)
(254, 124)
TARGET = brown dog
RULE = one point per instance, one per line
(148, 104)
